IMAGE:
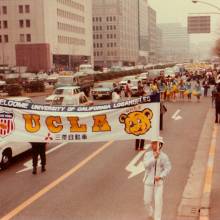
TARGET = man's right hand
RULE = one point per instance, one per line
(156, 154)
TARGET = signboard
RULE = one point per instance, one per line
(130, 119)
(199, 24)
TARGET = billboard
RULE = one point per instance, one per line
(199, 24)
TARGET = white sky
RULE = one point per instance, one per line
(178, 10)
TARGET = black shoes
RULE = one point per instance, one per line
(43, 169)
(34, 170)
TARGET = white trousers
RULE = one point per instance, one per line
(153, 193)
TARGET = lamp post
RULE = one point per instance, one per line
(206, 3)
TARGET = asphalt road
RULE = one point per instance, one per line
(98, 188)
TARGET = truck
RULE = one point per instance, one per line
(84, 80)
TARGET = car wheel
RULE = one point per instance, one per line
(6, 159)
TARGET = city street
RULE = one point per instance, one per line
(83, 183)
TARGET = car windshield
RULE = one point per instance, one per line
(104, 85)
(63, 91)
(126, 78)
(134, 83)
(66, 80)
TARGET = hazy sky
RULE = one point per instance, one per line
(178, 10)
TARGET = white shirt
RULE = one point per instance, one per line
(115, 97)
(155, 167)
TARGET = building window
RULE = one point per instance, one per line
(28, 23)
(106, 18)
(27, 8)
(93, 28)
(6, 38)
(107, 36)
(100, 19)
(96, 19)
(21, 23)
(111, 18)
(100, 28)
(0, 38)
(22, 38)
(20, 9)
(93, 19)
(114, 18)
(28, 38)
(4, 10)
(5, 24)
(100, 36)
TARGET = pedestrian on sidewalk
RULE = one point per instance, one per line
(217, 104)
(39, 148)
(157, 166)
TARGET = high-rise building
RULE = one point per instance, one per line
(143, 31)
(152, 33)
(115, 32)
(45, 33)
(175, 42)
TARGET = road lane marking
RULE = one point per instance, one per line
(210, 163)
(210, 168)
(134, 168)
(55, 183)
(28, 164)
(176, 115)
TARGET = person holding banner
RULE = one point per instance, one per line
(157, 166)
(39, 148)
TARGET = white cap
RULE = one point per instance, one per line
(159, 139)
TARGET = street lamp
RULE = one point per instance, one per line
(206, 3)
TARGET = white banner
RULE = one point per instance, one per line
(131, 119)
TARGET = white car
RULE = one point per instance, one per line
(125, 79)
(74, 100)
(8, 150)
(67, 90)
(143, 77)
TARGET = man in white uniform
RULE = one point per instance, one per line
(157, 167)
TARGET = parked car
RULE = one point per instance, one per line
(102, 90)
(68, 90)
(74, 100)
(8, 150)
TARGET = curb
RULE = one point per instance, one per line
(191, 202)
(205, 201)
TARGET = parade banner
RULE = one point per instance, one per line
(131, 119)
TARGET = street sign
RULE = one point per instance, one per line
(199, 24)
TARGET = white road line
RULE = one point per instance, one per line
(135, 168)
(176, 115)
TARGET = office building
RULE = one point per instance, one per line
(44, 34)
(115, 32)
(175, 42)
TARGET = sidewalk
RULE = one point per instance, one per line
(215, 190)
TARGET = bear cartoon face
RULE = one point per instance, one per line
(138, 122)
